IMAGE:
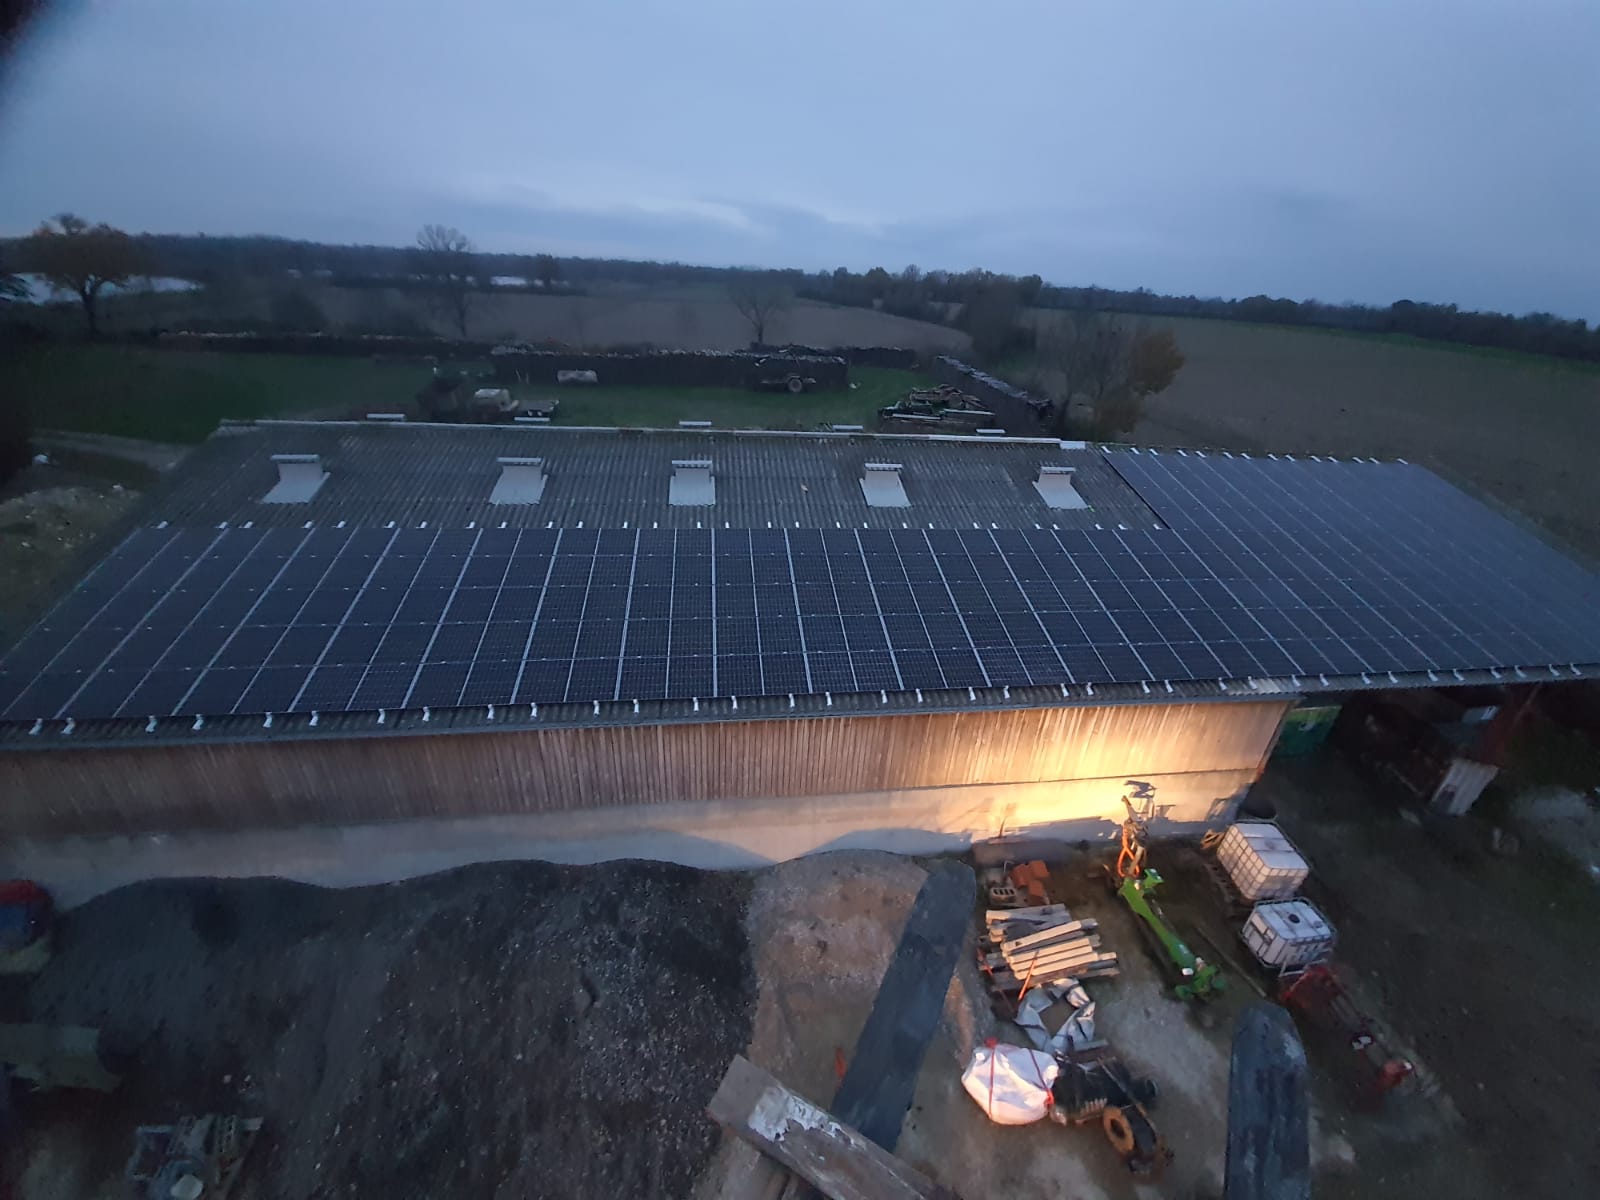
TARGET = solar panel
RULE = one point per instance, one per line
(1268, 568)
(1339, 561)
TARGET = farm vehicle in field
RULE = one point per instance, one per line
(779, 374)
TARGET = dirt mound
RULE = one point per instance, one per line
(506, 1029)
(63, 515)
(41, 532)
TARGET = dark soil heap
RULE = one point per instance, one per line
(506, 1029)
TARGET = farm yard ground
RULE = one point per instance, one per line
(1480, 961)
(51, 516)
(630, 986)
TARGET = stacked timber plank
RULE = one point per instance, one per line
(1033, 946)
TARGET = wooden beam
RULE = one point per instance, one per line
(1009, 981)
(1076, 941)
(811, 1142)
(1076, 952)
(1050, 933)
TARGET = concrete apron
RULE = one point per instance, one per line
(721, 834)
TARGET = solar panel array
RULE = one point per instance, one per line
(1269, 569)
(1402, 569)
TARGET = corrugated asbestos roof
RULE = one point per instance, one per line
(412, 473)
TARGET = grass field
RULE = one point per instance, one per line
(1518, 428)
(179, 396)
(1520, 357)
(172, 396)
(699, 318)
(1521, 429)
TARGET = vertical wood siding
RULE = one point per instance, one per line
(531, 770)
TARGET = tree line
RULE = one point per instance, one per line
(929, 295)
(935, 295)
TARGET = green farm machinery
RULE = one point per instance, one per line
(1136, 884)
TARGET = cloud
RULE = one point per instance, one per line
(1362, 151)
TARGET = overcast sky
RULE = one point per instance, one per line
(1445, 150)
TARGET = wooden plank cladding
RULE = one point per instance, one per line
(528, 769)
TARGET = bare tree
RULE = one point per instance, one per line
(74, 256)
(760, 299)
(444, 262)
(1113, 364)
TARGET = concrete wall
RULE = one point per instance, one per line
(901, 357)
(668, 368)
(1016, 411)
(718, 834)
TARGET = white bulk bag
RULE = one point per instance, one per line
(1010, 1083)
